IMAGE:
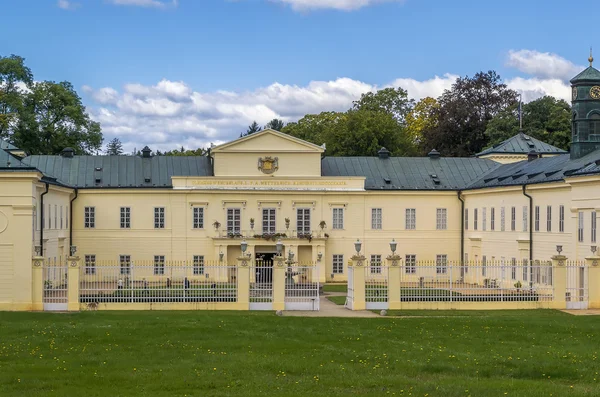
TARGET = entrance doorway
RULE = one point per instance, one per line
(264, 267)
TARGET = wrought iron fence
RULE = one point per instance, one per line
(55, 278)
(302, 287)
(157, 282)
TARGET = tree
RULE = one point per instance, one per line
(13, 75)
(252, 128)
(275, 124)
(464, 112)
(393, 101)
(420, 118)
(53, 117)
(184, 152)
(114, 147)
(547, 119)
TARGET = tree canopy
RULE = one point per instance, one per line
(275, 124)
(114, 147)
(43, 117)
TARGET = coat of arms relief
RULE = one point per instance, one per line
(268, 165)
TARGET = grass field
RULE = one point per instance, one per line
(508, 353)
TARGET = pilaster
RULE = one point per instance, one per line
(593, 263)
(279, 269)
(357, 263)
(394, 272)
(559, 279)
(73, 283)
(243, 281)
(37, 284)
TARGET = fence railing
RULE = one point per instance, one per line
(272, 235)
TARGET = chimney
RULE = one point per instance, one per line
(383, 153)
(532, 155)
(67, 153)
(434, 154)
(146, 152)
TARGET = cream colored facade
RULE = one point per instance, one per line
(288, 179)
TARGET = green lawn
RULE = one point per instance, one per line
(338, 300)
(510, 353)
(335, 287)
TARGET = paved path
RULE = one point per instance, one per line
(330, 309)
(587, 312)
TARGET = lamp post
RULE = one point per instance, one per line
(357, 246)
(559, 249)
(393, 246)
(244, 247)
(594, 248)
(279, 247)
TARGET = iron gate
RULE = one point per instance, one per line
(577, 295)
(376, 286)
(302, 287)
(261, 286)
(55, 297)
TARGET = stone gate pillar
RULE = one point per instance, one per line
(357, 262)
(559, 280)
(394, 263)
(243, 282)
(37, 287)
(73, 283)
(593, 264)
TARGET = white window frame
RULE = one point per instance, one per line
(475, 218)
(492, 218)
(580, 226)
(441, 219)
(466, 218)
(502, 219)
(337, 263)
(376, 218)
(198, 263)
(234, 220)
(375, 264)
(197, 217)
(337, 215)
(61, 217)
(594, 224)
(159, 265)
(55, 216)
(561, 219)
(484, 219)
(410, 222)
(549, 218)
(537, 218)
(125, 264)
(525, 218)
(89, 217)
(513, 269)
(125, 217)
(441, 264)
(410, 261)
(484, 265)
(513, 219)
(269, 223)
(90, 264)
(159, 217)
(303, 220)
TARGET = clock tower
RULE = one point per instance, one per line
(586, 112)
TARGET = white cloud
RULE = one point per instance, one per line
(146, 3)
(542, 64)
(344, 5)
(534, 88)
(67, 5)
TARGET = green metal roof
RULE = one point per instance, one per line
(521, 144)
(588, 74)
(120, 171)
(7, 146)
(9, 162)
(410, 173)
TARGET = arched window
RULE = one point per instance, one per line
(575, 128)
(595, 127)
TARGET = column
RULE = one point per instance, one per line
(559, 279)
(243, 282)
(357, 263)
(394, 269)
(73, 284)
(37, 287)
(279, 270)
(593, 265)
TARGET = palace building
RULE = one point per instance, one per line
(518, 200)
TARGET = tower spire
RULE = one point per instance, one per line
(591, 58)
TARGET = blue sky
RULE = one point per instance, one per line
(187, 72)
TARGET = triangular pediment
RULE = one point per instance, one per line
(268, 141)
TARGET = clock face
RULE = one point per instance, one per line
(595, 92)
(574, 93)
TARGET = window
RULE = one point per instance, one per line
(159, 264)
(338, 264)
(376, 221)
(89, 217)
(513, 269)
(125, 217)
(90, 264)
(594, 220)
(338, 218)
(234, 220)
(525, 265)
(61, 217)
(441, 219)
(475, 218)
(549, 218)
(525, 217)
(411, 219)
(375, 264)
(268, 220)
(303, 220)
(537, 218)
(484, 266)
(580, 227)
(159, 217)
(502, 219)
(411, 264)
(561, 218)
(198, 218)
(441, 264)
(466, 219)
(198, 264)
(125, 263)
(492, 219)
(55, 216)
(513, 218)
(484, 219)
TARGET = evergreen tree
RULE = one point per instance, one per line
(114, 147)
